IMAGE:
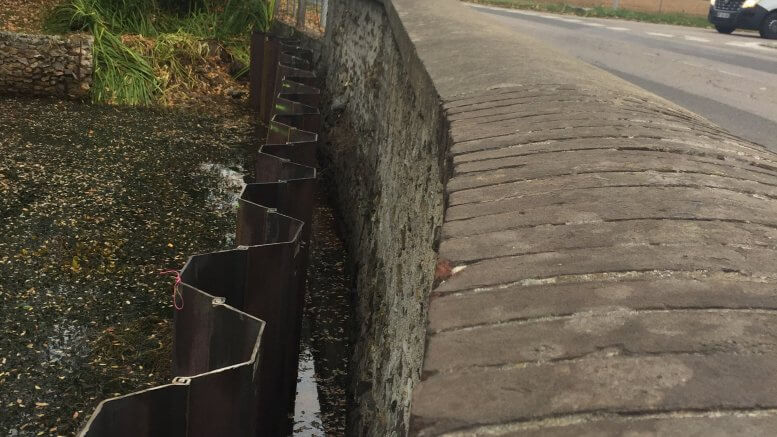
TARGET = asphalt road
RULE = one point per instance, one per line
(729, 79)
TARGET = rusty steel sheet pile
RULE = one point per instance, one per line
(238, 314)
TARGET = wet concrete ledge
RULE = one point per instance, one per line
(611, 257)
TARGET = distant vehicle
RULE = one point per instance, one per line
(729, 15)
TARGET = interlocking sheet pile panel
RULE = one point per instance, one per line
(236, 339)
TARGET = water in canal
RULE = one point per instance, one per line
(94, 202)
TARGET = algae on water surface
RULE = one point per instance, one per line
(94, 202)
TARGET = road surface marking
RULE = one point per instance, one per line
(618, 28)
(592, 24)
(692, 64)
(716, 70)
(695, 38)
(663, 35)
(570, 20)
(729, 73)
(748, 45)
(704, 67)
(490, 8)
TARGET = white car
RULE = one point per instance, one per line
(729, 15)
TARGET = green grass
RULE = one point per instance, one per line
(165, 40)
(601, 12)
(173, 55)
(121, 74)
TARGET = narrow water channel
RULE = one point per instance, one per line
(321, 404)
(328, 323)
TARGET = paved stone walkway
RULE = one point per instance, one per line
(615, 263)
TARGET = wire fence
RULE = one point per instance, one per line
(307, 15)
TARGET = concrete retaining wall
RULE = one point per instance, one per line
(608, 259)
(385, 149)
(45, 65)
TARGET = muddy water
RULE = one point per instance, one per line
(94, 202)
(321, 407)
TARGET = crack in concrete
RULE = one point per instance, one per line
(558, 175)
(648, 125)
(700, 219)
(519, 321)
(458, 116)
(510, 197)
(764, 196)
(563, 114)
(521, 97)
(617, 276)
(461, 264)
(564, 138)
(498, 91)
(657, 188)
(503, 152)
(700, 154)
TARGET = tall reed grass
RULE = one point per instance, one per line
(138, 74)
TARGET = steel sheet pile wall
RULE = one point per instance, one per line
(236, 339)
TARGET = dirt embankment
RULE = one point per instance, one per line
(24, 16)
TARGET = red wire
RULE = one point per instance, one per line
(176, 292)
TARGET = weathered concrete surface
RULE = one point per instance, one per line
(613, 257)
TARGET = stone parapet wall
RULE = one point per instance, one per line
(46, 65)
(385, 154)
(613, 255)
(606, 262)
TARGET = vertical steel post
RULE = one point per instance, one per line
(269, 72)
(255, 73)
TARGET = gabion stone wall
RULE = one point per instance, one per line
(45, 64)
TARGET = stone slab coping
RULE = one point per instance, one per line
(613, 256)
